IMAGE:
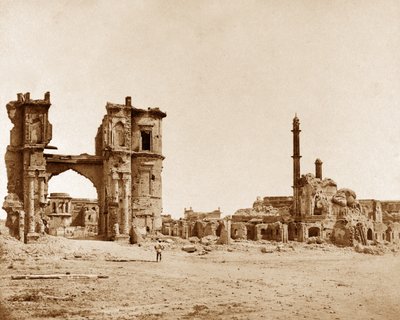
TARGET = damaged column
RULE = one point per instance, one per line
(126, 186)
(31, 205)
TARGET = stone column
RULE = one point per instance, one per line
(113, 223)
(42, 197)
(31, 202)
(125, 205)
(285, 233)
(114, 213)
(228, 220)
(31, 228)
(115, 188)
(21, 224)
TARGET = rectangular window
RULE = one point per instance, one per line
(146, 140)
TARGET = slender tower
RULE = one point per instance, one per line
(296, 165)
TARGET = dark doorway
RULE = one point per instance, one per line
(369, 235)
(313, 232)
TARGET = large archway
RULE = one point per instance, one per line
(72, 209)
(91, 167)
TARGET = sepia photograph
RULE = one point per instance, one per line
(199, 159)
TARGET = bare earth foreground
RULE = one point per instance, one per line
(298, 281)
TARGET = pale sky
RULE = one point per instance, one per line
(230, 75)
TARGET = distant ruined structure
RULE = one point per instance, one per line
(194, 224)
(317, 211)
(125, 170)
(71, 217)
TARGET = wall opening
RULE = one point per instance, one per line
(250, 232)
(369, 234)
(218, 230)
(292, 231)
(389, 234)
(314, 232)
(146, 140)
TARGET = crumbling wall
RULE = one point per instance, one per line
(210, 228)
(343, 233)
(315, 195)
(239, 231)
(197, 229)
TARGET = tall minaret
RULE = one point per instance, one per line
(296, 165)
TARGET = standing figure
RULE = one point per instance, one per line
(159, 248)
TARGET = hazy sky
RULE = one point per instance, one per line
(230, 75)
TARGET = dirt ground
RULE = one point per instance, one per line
(293, 281)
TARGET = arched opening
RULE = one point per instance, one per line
(314, 232)
(369, 234)
(72, 206)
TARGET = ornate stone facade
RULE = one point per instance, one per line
(126, 169)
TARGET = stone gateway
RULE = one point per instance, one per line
(125, 169)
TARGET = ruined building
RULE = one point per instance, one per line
(71, 217)
(125, 169)
(317, 210)
(193, 224)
